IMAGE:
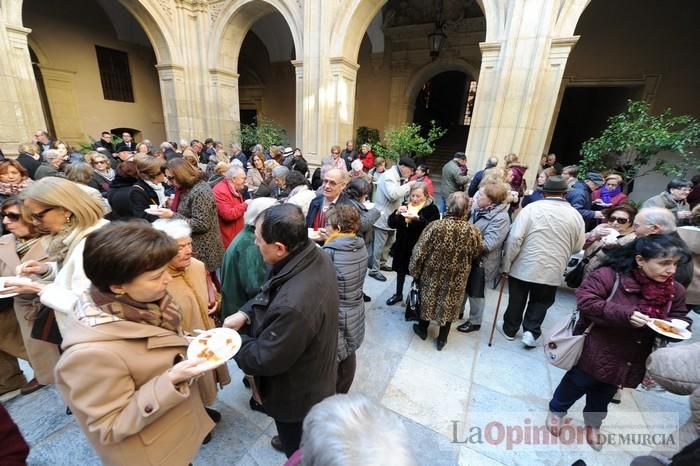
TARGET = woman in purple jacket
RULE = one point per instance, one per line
(617, 347)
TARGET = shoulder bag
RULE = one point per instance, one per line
(574, 277)
(562, 348)
(413, 304)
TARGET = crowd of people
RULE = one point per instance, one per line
(127, 251)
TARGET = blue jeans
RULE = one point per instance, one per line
(573, 386)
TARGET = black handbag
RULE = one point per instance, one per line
(45, 327)
(413, 303)
(477, 279)
(574, 277)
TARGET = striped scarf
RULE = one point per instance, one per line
(165, 313)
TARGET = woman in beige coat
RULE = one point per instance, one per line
(196, 297)
(21, 245)
(123, 372)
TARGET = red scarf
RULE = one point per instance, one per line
(655, 295)
(176, 199)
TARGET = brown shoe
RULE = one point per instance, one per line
(30, 387)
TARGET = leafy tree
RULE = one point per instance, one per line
(266, 132)
(632, 138)
(367, 135)
(407, 140)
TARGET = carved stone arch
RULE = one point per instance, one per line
(427, 72)
(353, 20)
(568, 17)
(150, 18)
(236, 19)
(41, 56)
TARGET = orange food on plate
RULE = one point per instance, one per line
(666, 327)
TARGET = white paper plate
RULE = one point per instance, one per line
(230, 344)
(314, 235)
(683, 334)
(11, 279)
(152, 211)
(369, 205)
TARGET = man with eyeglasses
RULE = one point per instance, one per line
(674, 199)
(334, 182)
(43, 141)
(105, 142)
(335, 159)
(392, 188)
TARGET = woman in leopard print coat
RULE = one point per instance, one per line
(441, 263)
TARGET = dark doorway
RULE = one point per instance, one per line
(584, 114)
(249, 117)
(43, 99)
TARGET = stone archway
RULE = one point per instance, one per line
(228, 31)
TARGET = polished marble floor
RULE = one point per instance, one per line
(437, 395)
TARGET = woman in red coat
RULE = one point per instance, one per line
(610, 194)
(367, 157)
(615, 351)
(230, 204)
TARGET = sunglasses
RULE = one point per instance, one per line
(11, 216)
(39, 216)
(101, 162)
(619, 220)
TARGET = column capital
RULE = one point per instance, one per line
(223, 76)
(170, 71)
(343, 65)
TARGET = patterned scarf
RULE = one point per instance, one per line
(165, 313)
(655, 295)
(23, 246)
(176, 199)
(10, 189)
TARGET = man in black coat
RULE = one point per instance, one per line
(291, 327)
(105, 142)
(334, 182)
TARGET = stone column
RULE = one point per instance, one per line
(172, 91)
(19, 97)
(341, 102)
(225, 114)
(299, 107)
(60, 92)
(523, 61)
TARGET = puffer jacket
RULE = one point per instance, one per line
(349, 257)
(615, 352)
(667, 201)
(676, 369)
(494, 225)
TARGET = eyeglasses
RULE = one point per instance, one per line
(683, 190)
(11, 216)
(330, 182)
(620, 220)
(335, 153)
(101, 162)
(39, 216)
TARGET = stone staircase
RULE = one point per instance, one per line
(453, 141)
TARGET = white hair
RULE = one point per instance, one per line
(345, 430)
(256, 207)
(166, 145)
(50, 155)
(356, 165)
(663, 218)
(237, 163)
(233, 172)
(175, 228)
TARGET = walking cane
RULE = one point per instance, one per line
(498, 306)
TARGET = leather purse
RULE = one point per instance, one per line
(45, 327)
(413, 303)
(562, 348)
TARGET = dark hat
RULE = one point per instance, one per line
(596, 178)
(407, 162)
(555, 184)
(460, 155)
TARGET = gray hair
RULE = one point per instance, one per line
(175, 228)
(457, 205)
(345, 430)
(165, 145)
(257, 207)
(235, 145)
(662, 218)
(79, 172)
(280, 171)
(50, 155)
(233, 172)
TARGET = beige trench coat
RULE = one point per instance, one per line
(42, 355)
(113, 377)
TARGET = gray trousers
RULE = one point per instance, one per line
(383, 239)
(476, 310)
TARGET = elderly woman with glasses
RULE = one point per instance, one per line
(104, 173)
(23, 243)
(674, 199)
(610, 194)
(618, 231)
(68, 214)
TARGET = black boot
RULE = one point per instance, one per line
(366, 298)
(420, 331)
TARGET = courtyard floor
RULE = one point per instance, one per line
(439, 396)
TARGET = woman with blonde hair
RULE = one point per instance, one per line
(68, 214)
(189, 155)
(104, 173)
(255, 174)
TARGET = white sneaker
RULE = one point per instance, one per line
(499, 327)
(529, 340)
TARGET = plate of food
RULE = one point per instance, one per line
(314, 235)
(674, 329)
(216, 345)
(11, 279)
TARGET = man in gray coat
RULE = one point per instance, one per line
(452, 179)
(392, 188)
(543, 237)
